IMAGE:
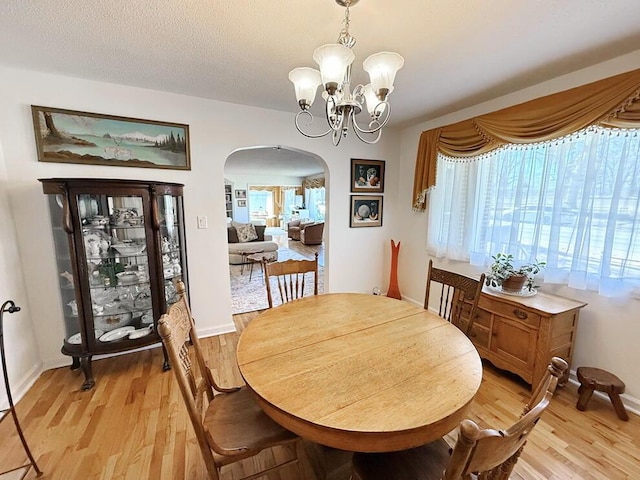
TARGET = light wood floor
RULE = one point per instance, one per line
(307, 250)
(133, 425)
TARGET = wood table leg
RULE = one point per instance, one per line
(585, 396)
(618, 406)
(89, 382)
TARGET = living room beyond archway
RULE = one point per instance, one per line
(278, 195)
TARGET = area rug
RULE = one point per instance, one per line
(248, 295)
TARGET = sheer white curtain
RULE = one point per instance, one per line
(315, 203)
(574, 203)
(289, 199)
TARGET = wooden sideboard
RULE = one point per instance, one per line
(521, 334)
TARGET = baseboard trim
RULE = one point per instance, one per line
(19, 389)
(220, 330)
(415, 302)
(65, 361)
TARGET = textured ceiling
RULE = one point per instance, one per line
(272, 160)
(457, 52)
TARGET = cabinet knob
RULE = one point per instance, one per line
(520, 314)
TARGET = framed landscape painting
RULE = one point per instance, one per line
(68, 136)
(366, 211)
(367, 175)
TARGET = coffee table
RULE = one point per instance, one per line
(245, 258)
(257, 258)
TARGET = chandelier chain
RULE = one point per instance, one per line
(345, 38)
(347, 18)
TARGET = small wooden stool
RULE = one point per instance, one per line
(597, 379)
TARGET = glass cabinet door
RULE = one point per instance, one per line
(65, 267)
(115, 249)
(173, 245)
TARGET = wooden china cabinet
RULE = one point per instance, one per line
(120, 249)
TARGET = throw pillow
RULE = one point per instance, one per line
(260, 233)
(232, 235)
(246, 232)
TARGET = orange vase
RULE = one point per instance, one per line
(394, 290)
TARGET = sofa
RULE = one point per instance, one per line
(245, 238)
(295, 228)
(311, 234)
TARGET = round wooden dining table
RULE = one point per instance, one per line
(360, 372)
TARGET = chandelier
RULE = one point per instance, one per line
(343, 104)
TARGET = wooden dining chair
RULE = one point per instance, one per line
(290, 277)
(229, 424)
(478, 453)
(459, 296)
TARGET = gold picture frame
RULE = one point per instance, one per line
(367, 176)
(366, 211)
(70, 136)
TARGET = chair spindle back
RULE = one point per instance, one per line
(459, 296)
(290, 278)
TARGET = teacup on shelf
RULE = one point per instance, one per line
(168, 272)
(120, 216)
(135, 221)
(98, 220)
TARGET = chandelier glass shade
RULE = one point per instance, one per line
(342, 104)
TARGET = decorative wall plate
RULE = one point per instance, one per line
(77, 338)
(129, 248)
(116, 334)
(112, 321)
(127, 278)
(142, 332)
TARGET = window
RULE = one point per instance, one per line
(573, 203)
(289, 201)
(260, 204)
(315, 203)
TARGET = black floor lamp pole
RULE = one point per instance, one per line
(10, 307)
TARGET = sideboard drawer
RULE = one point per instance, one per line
(480, 336)
(516, 312)
(483, 318)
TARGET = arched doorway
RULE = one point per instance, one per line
(268, 186)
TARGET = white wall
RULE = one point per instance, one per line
(609, 332)
(356, 258)
(21, 349)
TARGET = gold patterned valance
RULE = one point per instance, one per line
(612, 102)
(313, 183)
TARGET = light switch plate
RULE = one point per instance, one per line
(202, 222)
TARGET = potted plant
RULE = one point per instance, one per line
(502, 273)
